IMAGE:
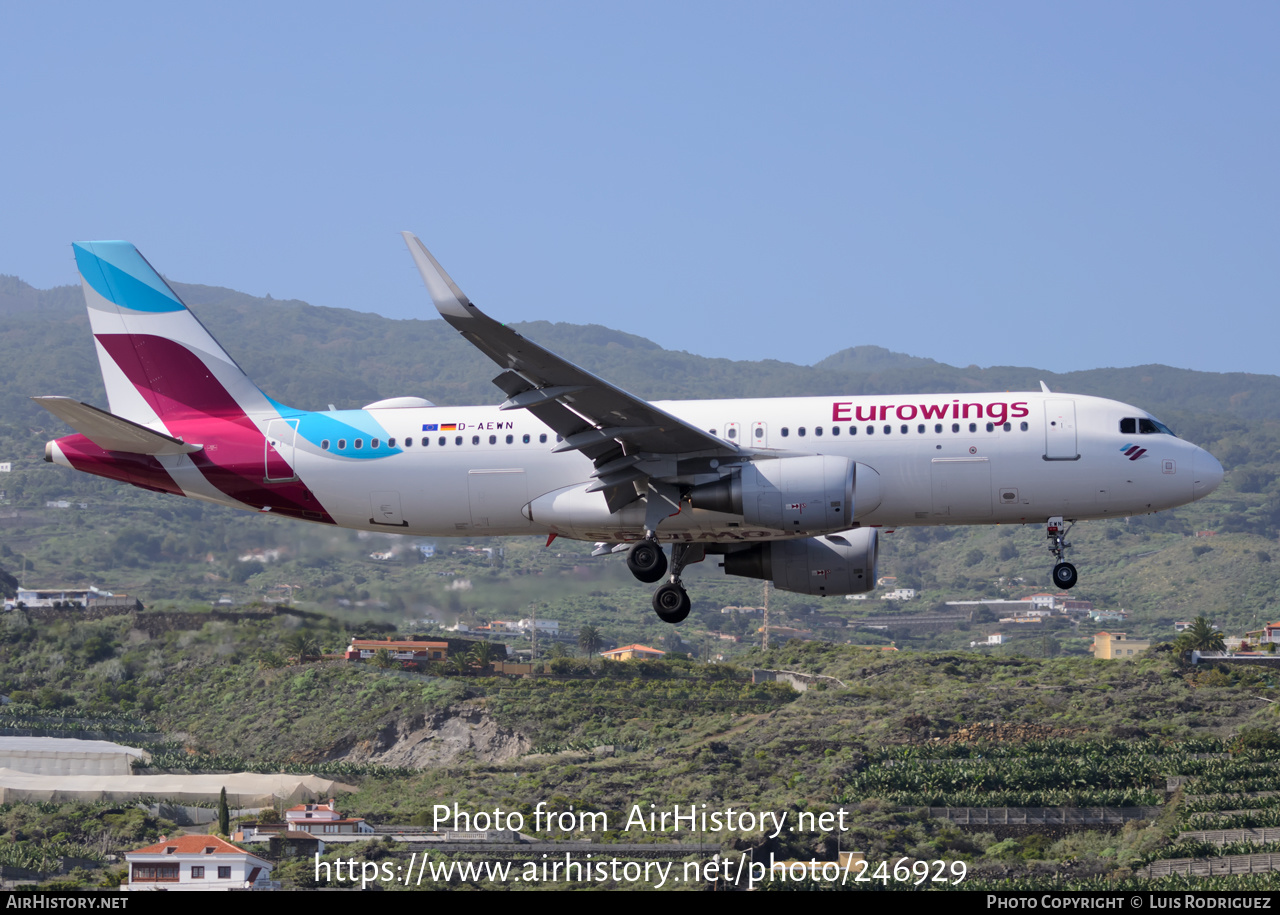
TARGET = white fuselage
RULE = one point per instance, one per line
(975, 459)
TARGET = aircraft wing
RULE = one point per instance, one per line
(620, 432)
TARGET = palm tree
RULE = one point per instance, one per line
(589, 639)
(482, 654)
(1200, 636)
(305, 645)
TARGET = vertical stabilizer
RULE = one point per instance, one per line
(159, 364)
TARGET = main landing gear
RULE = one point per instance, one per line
(648, 563)
(1064, 573)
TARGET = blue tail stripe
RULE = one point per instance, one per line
(119, 274)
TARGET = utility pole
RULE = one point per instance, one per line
(765, 645)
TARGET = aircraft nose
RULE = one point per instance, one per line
(1206, 474)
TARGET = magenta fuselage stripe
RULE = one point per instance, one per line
(137, 469)
(196, 407)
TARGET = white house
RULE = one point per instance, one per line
(196, 863)
(323, 819)
(549, 627)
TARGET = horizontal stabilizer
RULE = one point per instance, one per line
(110, 432)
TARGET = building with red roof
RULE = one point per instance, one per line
(196, 863)
(627, 652)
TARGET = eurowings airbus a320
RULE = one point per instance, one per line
(792, 490)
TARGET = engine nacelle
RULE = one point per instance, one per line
(810, 493)
(843, 563)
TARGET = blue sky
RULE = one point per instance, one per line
(1061, 185)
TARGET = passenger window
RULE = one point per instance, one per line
(373, 443)
(1025, 427)
(543, 438)
(342, 444)
(443, 440)
(733, 433)
(457, 440)
(510, 439)
(493, 440)
(853, 430)
(835, 430)
(871, 430)
(559, 438)
(1128, 426)
(408, 442)
(887, 429)
(905, 427)
(955, 427)
(785, 431)
(475, 439)
(973, 427)
(759, 432)
(800, 432)
(920, 428)
(525, 438)
(991, 427)
(1008, 427)
(324, 445)
(817, 430)
(938, 427)
(359, 443)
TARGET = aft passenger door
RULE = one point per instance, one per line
(278, 450)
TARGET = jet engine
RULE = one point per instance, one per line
(843, 563)
(810, 493)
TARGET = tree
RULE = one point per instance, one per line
(589, 639)
(1200, 636)
(382, 659)
(305, 645)
(224, 815)
(482, 654)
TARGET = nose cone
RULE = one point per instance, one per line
(1206, 474)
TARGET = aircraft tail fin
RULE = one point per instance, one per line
(158, 361)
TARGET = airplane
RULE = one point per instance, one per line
(794, 490)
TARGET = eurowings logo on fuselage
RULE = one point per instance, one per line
(1133, 452)
(999, 412)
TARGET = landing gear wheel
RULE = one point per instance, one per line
(671, 603)
(646, 561)
(1064, 573)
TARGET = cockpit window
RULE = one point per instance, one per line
(1141, 425)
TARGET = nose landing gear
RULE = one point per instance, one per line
(1064, 573)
